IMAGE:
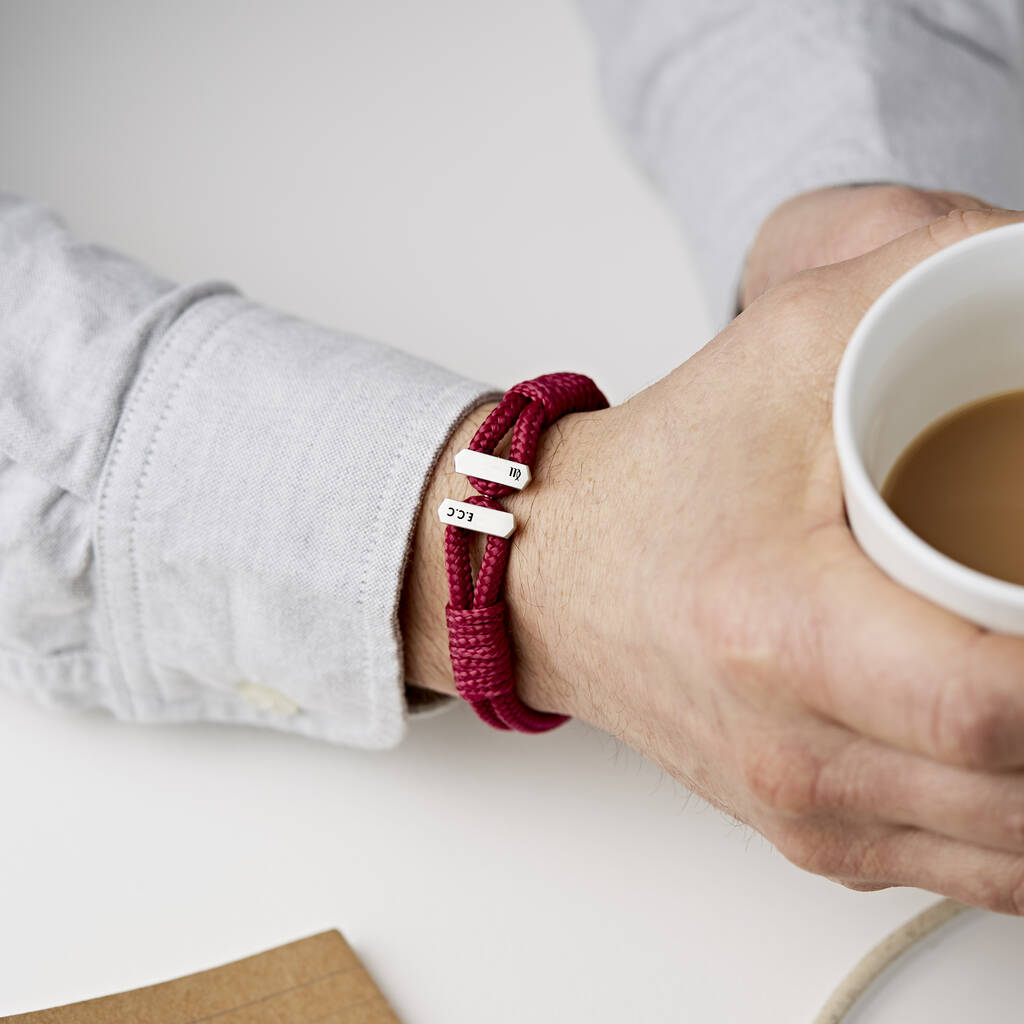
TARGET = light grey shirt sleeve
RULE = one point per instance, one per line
(734, 106)
(205, 503)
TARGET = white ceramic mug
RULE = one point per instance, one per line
(948, 332)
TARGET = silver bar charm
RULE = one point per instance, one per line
(474, 517)
(490, 467)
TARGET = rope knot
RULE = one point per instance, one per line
(559, 394)
(479, 644)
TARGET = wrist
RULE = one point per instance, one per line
(548, 576)
(551, 592)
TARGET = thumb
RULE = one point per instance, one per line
(856, 283)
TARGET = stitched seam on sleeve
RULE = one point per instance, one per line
(200, 347)
(123, 427)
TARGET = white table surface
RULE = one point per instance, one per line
(440, 176)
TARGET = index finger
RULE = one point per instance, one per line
(899, 668)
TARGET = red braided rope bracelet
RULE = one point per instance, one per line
(478, 638)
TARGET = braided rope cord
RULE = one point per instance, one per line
(478, 637)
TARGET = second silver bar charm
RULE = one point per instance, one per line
(475, 517)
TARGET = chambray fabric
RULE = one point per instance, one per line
(192, 498)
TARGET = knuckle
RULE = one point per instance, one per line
(1013, 829)
(910, 207)
(860, 886)
(996, 891)
(957, 225)
(817, 851)
(785, 778)
(1016, 896)
(904, 199)
(856, 861)
(969, 724)
(1008, 900)
(801, 298)
(736, 636)
(754, 642)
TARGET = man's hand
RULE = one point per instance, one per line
(684, 577)
(833, 224)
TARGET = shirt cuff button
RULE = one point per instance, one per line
(266, 698)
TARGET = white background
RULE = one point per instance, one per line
(440, 176)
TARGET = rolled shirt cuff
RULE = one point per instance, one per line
(255, 516)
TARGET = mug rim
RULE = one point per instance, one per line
(951, 572)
